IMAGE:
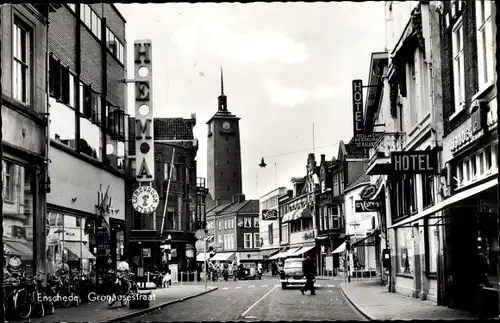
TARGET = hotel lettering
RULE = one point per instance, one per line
(144, 146)
(357, 109)
(414, 162)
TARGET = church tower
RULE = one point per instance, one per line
(223, 152)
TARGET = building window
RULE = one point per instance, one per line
(226, 242)
(341, 182)
(270, 234)
(405, 251)
(90, 142)
(485, 43)
(427, 190)
(227, 138)
(225, 224)
(406, 196)
(432, 246)
(284, 233)
(221, 174)
(458, 65)
(170, 169)
(220, 225)
(248, 240)
(336, 191)
(256, 222)
(116, 48)
(233, 244)
(412, 86)
(248, 222)
(90, 19)
(8, 180)
(18, 214)
(21, 73)
(256, 239)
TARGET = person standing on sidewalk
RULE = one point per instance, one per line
(309, 271)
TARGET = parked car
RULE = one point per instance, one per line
(292, 274)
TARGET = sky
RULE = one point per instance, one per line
(288, 69)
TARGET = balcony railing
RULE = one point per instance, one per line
(391, 141)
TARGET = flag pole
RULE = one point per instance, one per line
(166, 195)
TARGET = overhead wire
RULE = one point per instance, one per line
(296, 152)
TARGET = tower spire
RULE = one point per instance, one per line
(222, 96)
(221, 82)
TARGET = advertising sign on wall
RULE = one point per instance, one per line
(357, 108)
(268, 215)
(367, 206)
(144, 146)
(414, 162)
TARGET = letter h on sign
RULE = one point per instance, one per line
(357, 109)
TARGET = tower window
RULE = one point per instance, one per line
(234, 174)
(227, 150)
(228, 188)
(227, 161)
(221, 173)
(227, 138)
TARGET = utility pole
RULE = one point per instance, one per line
(2, 296)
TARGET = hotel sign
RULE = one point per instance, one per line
(357, 108)
(367, 140)
(414, 162)
(144, 144)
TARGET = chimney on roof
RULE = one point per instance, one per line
(238, 198)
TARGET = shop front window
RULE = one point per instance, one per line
(69, 244)
(18, 216)
(405, 251)
(432, 250)
(488, 245)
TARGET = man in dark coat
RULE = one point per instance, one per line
(309, 271)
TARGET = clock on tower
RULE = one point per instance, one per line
(226, 125)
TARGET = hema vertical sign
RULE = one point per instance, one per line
(357, 108)
(144, 141)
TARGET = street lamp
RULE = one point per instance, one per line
(168, 249)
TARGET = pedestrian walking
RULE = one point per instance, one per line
(309, 271)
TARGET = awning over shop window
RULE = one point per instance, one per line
(223, 256)
(340, 248)
(17, 248)
(449, 201)
(284, 254)
(302, 251)
(267, 253)
(289, 216)
(201, 256)
(78, 249)
(363, 241)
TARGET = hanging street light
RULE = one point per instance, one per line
(262, 163)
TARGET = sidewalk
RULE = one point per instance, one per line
(375, 302)
(100, 312)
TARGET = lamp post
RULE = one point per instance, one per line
(168, 249)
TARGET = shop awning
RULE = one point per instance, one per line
(284, 254)
(302, 251)
(209, 238)
(268, 252)
(362, 240)
(223, 256)
(17, 248)
(201, 257)
(78, 248)
(449, 201)
(321, 237)
(289, 216)
(340, 248)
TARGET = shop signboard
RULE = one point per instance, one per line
(414, 162)
(367, 140)
(268, 215)
(367, 206)
(144, 150)
(368, 192)
(146, 252)
(357, 109)
(145, 199)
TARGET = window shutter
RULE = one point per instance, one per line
(57, 79)
(65, 85)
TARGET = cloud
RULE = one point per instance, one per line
(292, 96)
(285, 96)
(216, 36)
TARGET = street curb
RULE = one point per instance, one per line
(363, 313)
(156, 307)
